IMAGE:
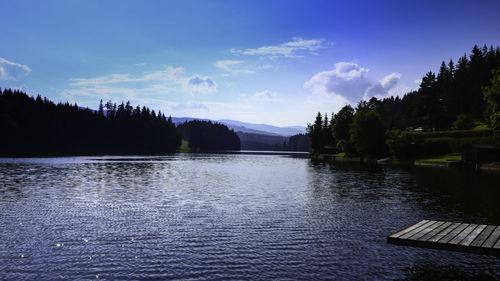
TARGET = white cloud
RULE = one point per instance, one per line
(202, 85)
(189, 106)
(265, 95)
(169, 74)
(382, 88)
(323, 102)
(211, 110)
(11, 70)
(233, 67)
(293, 49)
(227, 64)
(349, 81)
(128, 86)
(346, 79)
(266, 66)
(399, 91)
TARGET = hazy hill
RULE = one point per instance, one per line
(275, 130)
(260, 129)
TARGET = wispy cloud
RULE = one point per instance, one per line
(265, 95)
(11, 70)
(189, 106)
(233, 67)
(170, 74)
(293, 49)
(128, 86)
(266, 66)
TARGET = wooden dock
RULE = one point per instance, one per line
(464, 237)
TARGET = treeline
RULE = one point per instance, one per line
(205, 136)
(251, 141)
(459, 97)
(38, 126)
(456, 90)
(299, 142)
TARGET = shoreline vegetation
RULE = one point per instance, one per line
(453, 114)
(444, 161)
(38, 127)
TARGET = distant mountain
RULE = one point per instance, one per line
(260, 129)
(274, 130)
(180, 120)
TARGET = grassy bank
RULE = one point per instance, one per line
(184, 146)
(444, 158)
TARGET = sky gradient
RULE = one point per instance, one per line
(274, 62)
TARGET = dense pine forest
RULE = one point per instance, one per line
(205, 136)
(37, 126)
(462, 96)
(299, 142)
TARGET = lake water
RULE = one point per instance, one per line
(227, 217)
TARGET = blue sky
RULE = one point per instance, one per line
(274, 62)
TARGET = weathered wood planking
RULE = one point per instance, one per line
(464, 237)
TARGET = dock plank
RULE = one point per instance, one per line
(483, 236)
(444, 232)
(435, 231)
(417, 230)
(453, 233)
(490, 242)
(462, 235)
(465, 237)
(408, 229)
(474, 233)
(497, 245)
(426, 230)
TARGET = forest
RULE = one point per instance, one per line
(299, 142)
(205, 136)
(461, 97)
(39, 127)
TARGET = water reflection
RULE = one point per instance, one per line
(229, 217)
(474, 194)
(425, 270)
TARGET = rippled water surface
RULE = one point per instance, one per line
(226, 217)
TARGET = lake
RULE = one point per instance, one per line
(227, 217)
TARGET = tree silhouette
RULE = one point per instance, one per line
(36, 126)
(205, 136)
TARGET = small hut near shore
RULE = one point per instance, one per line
(480, 153)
